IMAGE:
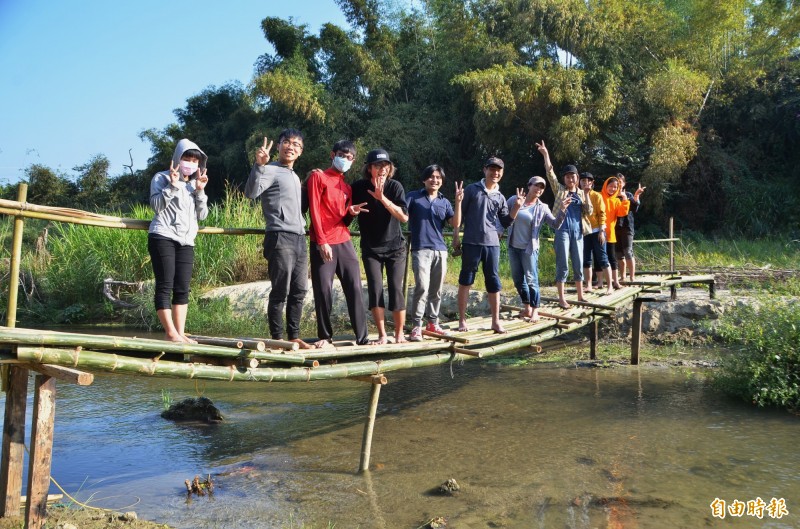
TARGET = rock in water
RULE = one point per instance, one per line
(193, 409)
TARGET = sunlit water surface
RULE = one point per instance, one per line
(531, 447)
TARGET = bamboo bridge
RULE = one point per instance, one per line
(73, 357)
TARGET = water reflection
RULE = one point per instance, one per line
(530, 447)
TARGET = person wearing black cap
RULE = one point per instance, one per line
(481, 244)
(569, 237)
(382, 242)
(594, 243)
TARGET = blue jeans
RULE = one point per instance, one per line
(525, 273)
(569, 239)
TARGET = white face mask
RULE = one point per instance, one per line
(187, 168)
(342, 164)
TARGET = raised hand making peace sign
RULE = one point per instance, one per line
(174, 173)
(459, 192)
(202, 179)
(262, 153)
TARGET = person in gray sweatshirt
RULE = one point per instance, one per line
(179, 200)
(285, 247)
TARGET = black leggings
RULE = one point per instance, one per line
(172, 266)
(395, 263)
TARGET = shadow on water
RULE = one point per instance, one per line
(533, 446)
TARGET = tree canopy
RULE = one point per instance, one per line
(696, 99)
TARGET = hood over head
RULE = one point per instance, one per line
(605, 186)
(183, 146)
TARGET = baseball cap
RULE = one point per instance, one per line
(536, 180)
(494, 161)
(377, 155)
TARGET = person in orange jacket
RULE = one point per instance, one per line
(617, 205)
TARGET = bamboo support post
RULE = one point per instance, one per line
(369, 427)
(16, 257)
(44, 410)
(673, 291)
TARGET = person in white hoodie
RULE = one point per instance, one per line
(179, 200)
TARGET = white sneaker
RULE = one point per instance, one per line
(416, 335)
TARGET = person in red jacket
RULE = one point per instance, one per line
(331, 209)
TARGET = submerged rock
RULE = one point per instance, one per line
(193, 409)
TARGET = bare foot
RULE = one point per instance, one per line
(301, 344)
(587, 288)
(382, 340)
(535, 316)
(563, 304)
(580, 298)
(323, 344)
(617, 286)
(498, 329)
(609, 290)
(400, 338)
(187, 339)
(462, 326)
(175, 338)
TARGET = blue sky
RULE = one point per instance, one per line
(84, 77)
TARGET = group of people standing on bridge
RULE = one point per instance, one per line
(589, 225)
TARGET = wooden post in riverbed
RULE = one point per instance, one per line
(366, 443)
(594, 328)
(44, 414)
(15, 383)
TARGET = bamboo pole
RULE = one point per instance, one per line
(30, 337)
(560, 317)
(16, 257)
(104, 221)
(589, 304)
(448, 337)
(469, 352)
(40, 354)
(256, 344)
(369, 427)
(223, 342)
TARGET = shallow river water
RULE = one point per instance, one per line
(531, 447)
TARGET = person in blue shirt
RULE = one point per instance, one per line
(481, 243)
(428, 210)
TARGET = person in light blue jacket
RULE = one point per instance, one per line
(179, 200)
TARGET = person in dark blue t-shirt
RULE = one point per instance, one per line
(428, 210)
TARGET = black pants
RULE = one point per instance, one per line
(345, 266)
(172, 266)
(287, 264)
(395, 263)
